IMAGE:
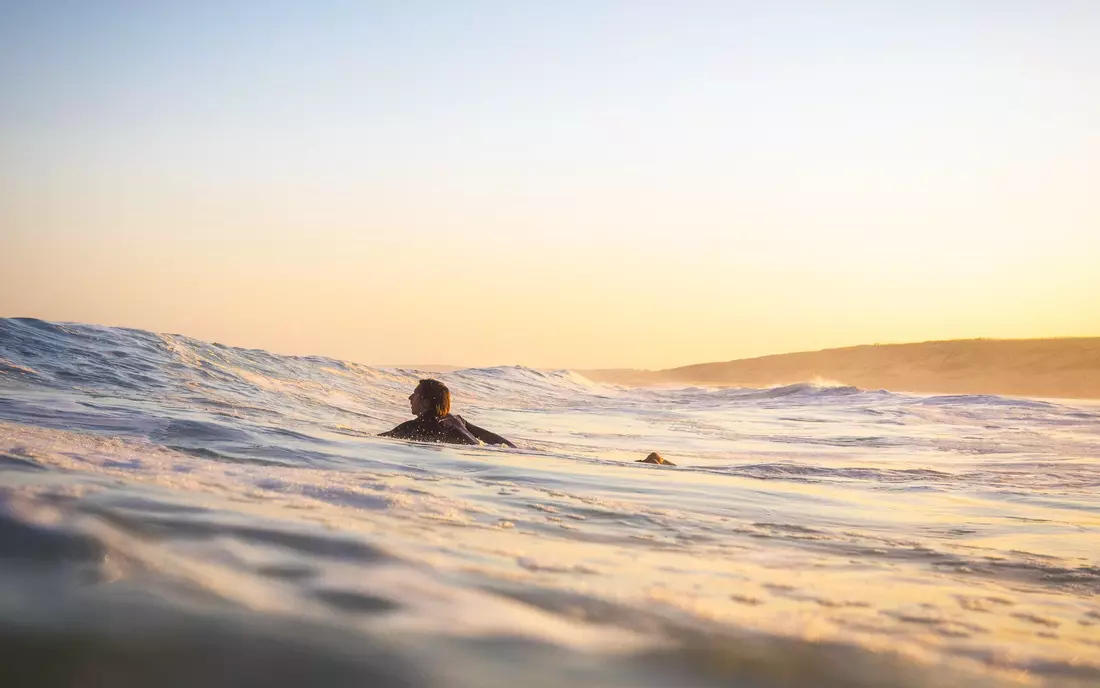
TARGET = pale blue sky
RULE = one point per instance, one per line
(757, 177)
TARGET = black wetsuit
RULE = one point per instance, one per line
(428, 430)
(435, 430)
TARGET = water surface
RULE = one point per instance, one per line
(179, 511)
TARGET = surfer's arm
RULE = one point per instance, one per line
(486, 436)
(459, 425)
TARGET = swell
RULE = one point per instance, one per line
(166, 374)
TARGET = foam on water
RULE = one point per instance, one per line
(228, 516)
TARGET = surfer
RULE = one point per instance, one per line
(431, 403)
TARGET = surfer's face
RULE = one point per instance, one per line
(416, 402)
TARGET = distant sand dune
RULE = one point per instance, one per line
(1053, 368)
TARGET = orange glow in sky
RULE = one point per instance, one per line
(611, 184)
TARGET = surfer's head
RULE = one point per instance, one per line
(430, 399)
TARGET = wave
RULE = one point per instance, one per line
(809, 473)
(67, 354)
(166, 378)
(985, 400)
(815, 389)
(134, 363)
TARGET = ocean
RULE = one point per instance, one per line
(175, 512)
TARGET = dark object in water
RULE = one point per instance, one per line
(654, 457)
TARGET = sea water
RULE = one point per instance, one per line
(176, 512)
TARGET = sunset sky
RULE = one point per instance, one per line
(560, 184)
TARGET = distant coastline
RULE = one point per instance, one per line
(1053, 368)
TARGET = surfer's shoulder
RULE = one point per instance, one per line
(410, 429)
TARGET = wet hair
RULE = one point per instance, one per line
(436, 396)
